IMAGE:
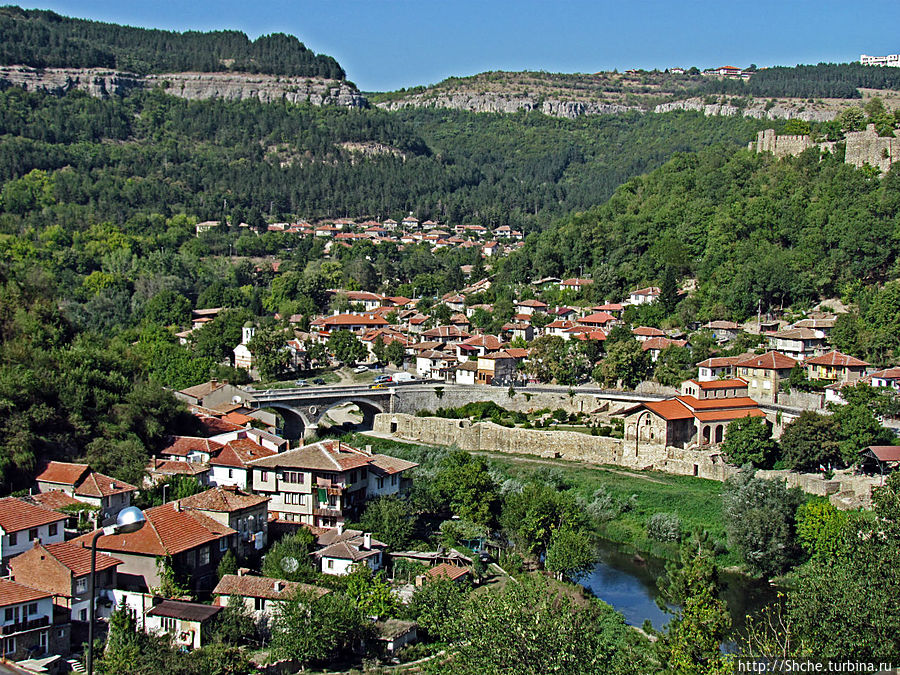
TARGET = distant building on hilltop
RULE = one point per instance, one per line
(892, 60)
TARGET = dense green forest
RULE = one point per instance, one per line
(108, 160)
(44, 39)
(756, 232)
(825, 80)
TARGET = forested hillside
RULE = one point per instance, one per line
(44, 39)
(108, 160)
(825, 80)
(756, 232)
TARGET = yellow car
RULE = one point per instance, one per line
(377, 386)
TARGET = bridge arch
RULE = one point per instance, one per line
(367, 406)
(301, 420)
(297, 423)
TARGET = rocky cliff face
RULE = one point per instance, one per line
(95, 81)
(193, 86)
(757, 110)
(504, 103)
(509, 103)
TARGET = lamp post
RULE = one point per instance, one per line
(130, 519)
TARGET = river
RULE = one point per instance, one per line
(629, 585)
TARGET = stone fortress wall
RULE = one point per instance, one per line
(844, 491)
(862, 147)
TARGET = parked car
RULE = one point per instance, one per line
(383, 379)
(404, 377)
(318, 380)
(361, 369)
(300, 383)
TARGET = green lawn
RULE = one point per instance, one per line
(696, 501)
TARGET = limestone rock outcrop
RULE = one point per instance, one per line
(192, 86)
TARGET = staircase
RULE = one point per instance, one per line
(75, 665)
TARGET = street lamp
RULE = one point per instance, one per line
(130, 519)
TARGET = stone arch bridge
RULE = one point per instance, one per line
(303, 408)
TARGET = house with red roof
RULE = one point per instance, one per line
(799, 343)
(888, 377)
(340, 551)
(642, 333)
(261, 595)
(655, 346)
(325, 483)
(27, 625)
(764, 373)
(685, 420)
(529, 307)
(230, 465)
(244, 512)
(597, 320)
(355, 323)
(478, 345)
(108, 494)
(193, 542)
(644, 296)
(21, 523)
(63, 570)
(574, 284)
(835, 366)
(719, 367)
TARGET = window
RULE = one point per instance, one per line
(259, 604)
(9, 646)
(82, 615)
(394, 479)
(11, 615)
(31, 609)
(231, 473)
(32, 534)
(53, 529)
(380, 482)
(43, 638)
(223, 544)
(13, 538)
(293, 477)
(331, 564)
(168, 624)
(204, 555)
(81, 585)
(264, 476)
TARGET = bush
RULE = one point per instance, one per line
(664, 527)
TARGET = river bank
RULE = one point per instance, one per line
(633, 495)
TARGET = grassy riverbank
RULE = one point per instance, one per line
(696, 501)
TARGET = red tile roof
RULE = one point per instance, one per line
(12, 593)
(597, 318)
(77, 558)
(717, 403)
(647, 331)
(99, 485)
(734, 383)
(239, 452)
(181, 446)
(168, 531)
(64, 473)
(661, 343)
(263, 587)
(55, 500)
(887, 373)
(669, 410)
(835, 358)
(768, 361)
(723, 415)
(446, 571)
(223, 500)
(17, 515)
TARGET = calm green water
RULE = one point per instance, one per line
(629, 585)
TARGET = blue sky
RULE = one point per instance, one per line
(388, 44)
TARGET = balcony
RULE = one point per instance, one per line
(22, 626)
(330, 512)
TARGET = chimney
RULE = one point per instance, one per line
(279, 586)
(176, 505)
(368, 449)
(243, 571)
(367, 541)
(340, 529)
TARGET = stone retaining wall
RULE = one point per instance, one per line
(843, 491)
